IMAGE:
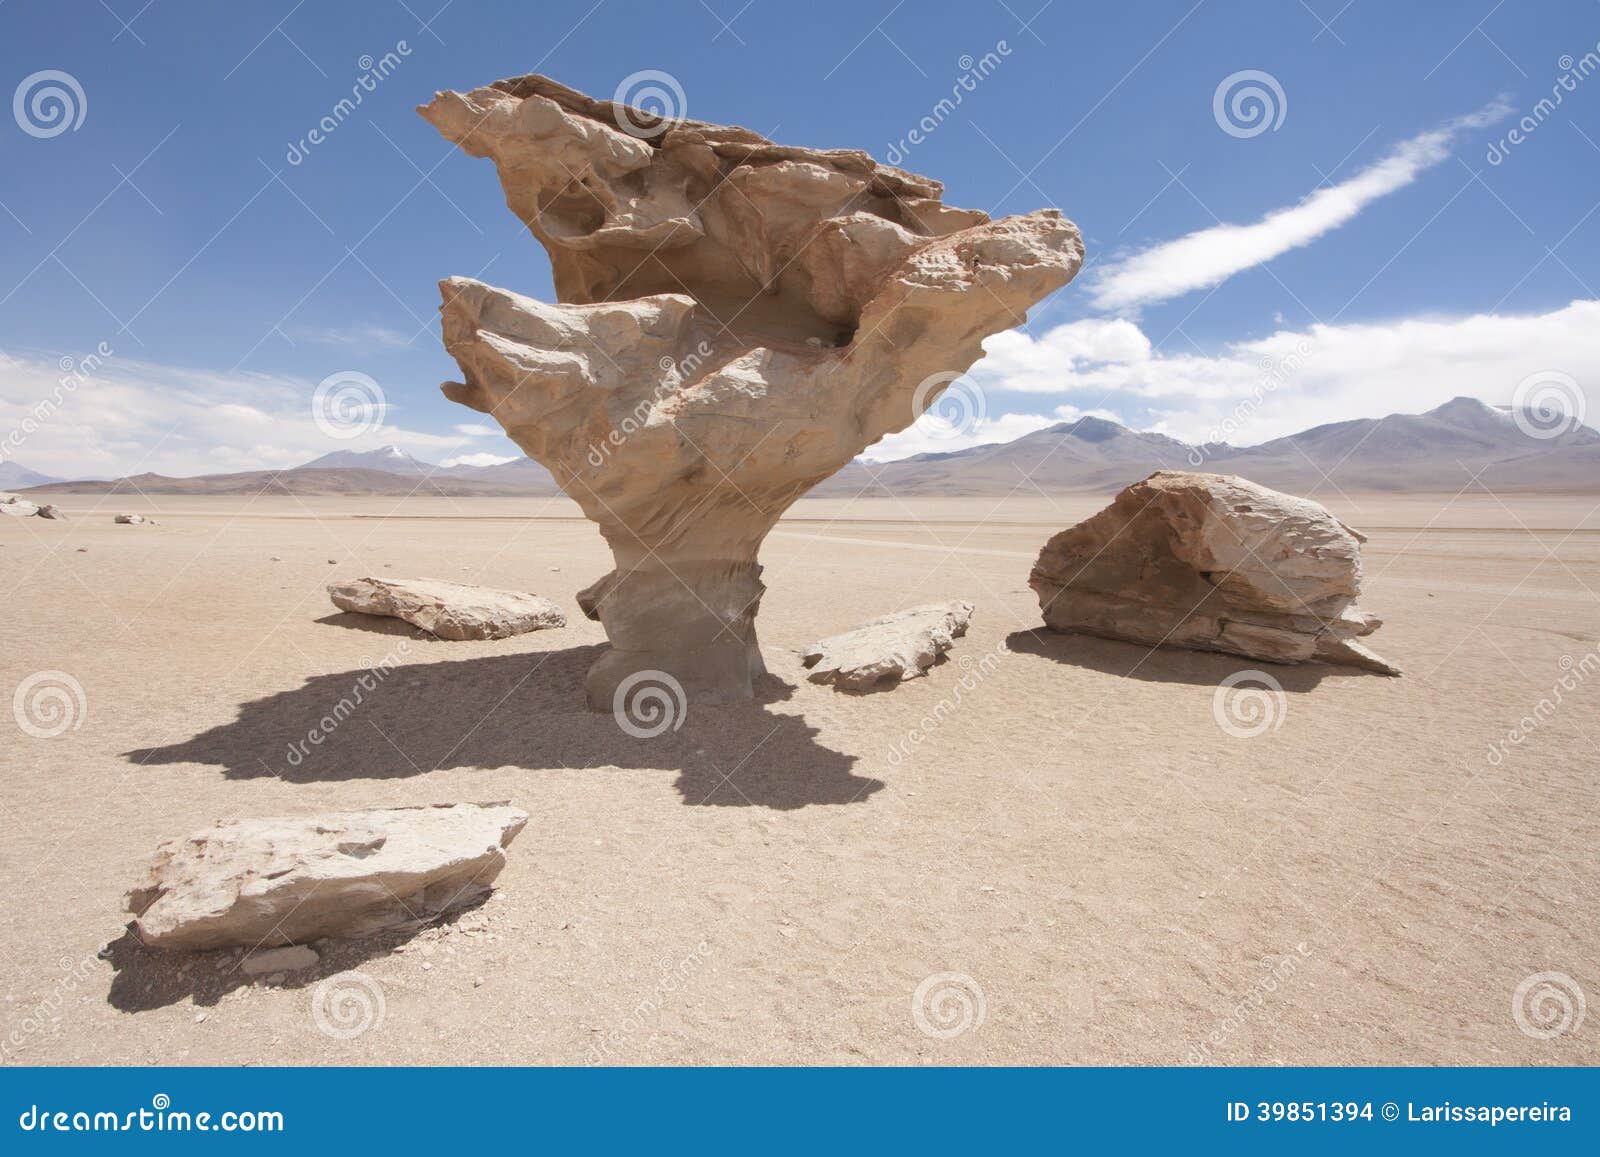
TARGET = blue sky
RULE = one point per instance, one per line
(1361, 254)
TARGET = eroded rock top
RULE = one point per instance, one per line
(773, 239)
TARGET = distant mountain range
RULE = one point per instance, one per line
(1417, 452)
(13, 476)
(1438, 450)
(387, 471)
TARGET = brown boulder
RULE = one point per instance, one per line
(1214, 563)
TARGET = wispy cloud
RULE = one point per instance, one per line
(1209, 256)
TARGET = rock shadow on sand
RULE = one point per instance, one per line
(1168, 664)
(523, 710)
(146, 978)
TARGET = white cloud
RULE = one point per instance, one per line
(479, 460)
(1209, 256)
(933, 435)
(1296, 379)
(479, 430)
(129, 417)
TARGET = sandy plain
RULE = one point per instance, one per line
(1061, 823)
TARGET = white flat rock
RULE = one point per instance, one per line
(449, 610)
(265, 883)
(889, 650)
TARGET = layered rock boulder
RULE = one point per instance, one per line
(889, 650)
(1211, 562)
(269, 882)
(737, 320)
(449, 610)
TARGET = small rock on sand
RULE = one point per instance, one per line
(449, 610)
(890, 650)
(271, 882)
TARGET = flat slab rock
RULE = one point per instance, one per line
(1211, 562)
(18, 507)
(890, 650)
(266, 883)
(449, 610)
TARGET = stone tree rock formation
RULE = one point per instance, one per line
(738, 320)
(1214, 563)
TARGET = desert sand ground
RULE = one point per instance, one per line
(1074, 834)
